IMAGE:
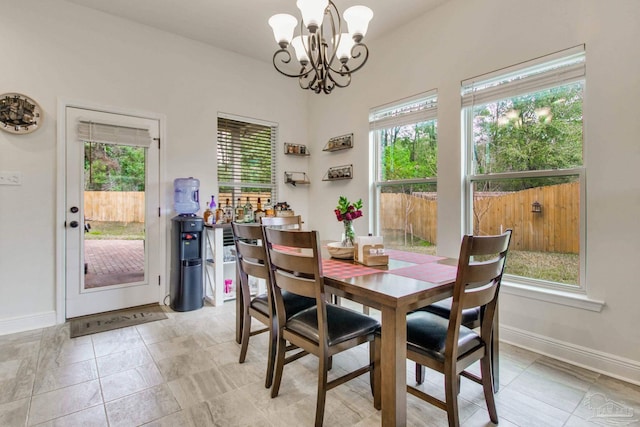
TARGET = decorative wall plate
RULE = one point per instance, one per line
(19, 113)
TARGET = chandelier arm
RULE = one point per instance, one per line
(346, 74)
(355, 54)
(332, 11)
(287, 60)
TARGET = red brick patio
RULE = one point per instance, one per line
(112, 262)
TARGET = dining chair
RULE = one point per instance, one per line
(251, 260)
(470, 319)
(323, 330)
(447, 346)
(283, 222)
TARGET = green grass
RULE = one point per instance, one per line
(115, 230)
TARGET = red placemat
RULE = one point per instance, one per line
(341, 269)
(411, 256)
(429, 272)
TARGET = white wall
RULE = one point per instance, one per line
(60, 50)
(465, 38)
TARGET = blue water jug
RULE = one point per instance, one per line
(186, 195)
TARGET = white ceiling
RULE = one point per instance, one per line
(241, 25)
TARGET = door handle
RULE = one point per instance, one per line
(73, 224)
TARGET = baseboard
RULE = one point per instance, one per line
(605, 363)
(27, 323)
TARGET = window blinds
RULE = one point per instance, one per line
(109, 133)
(246, 153)
(545, 72)
(417, 109)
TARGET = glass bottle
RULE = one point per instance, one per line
(239, 211)
(228, 212)
(259, 213)
(208, 215)
(219, 215)
(268, 209)
(248, 211)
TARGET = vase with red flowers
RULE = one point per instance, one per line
(346, 212)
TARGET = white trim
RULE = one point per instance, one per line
(605, 363)
(27, 323)
(571, 299)
(63, 103)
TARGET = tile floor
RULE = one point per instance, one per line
(183, 371)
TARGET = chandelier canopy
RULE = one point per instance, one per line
(326, 56)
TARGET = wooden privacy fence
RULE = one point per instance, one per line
(554, 229)
(128, 206)
(119, 206)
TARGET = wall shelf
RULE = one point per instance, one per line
(296, 149)
(295, 178)
(337, 173)
(338, 143)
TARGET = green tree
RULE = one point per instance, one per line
(110, 167)
(537, 131)
(410, 151)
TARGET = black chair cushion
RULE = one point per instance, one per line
(470, 316)
(292, 303)
(427, 334)
(343, 324)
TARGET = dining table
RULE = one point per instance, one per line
(409, 281)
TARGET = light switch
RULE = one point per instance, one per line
(10, 178)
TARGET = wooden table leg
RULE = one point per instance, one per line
(394, 367)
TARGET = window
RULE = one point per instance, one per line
(404, 136)
(246, 160)
(524, 139)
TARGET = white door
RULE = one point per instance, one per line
(112, 211)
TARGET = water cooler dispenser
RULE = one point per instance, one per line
(187, 247)
(186, 258)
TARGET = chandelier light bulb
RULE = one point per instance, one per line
(358, 18)
(283, 26)
(298, 44)
(343, 50)
(312, 13)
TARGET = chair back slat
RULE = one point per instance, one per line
(296, 284)
(292, 261)
(291, 239)
(282, 222)
(251, 250)
(477, 297)
(255, 269)
(486, 245)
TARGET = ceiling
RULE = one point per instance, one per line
(241, 25)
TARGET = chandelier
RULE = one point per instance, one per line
(326, 57)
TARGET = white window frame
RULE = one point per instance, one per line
(554, 70)
(419, 108)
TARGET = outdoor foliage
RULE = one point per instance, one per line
(409, 151)
(109, 167)
(536, 131)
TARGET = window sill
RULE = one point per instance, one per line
(555, 296)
